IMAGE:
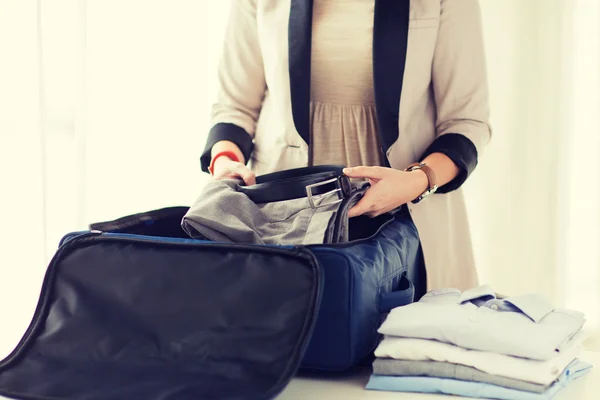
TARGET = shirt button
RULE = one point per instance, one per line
(494, 307)
(472, 318)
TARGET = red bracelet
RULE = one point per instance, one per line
(226, 153)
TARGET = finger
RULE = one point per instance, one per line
(375, 213)
(246, 174)
(354, 212)
(364, 172)
(249, 178)
(359, 208)
(364, 205)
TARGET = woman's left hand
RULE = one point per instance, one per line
(390, 188)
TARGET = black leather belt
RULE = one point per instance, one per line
(315, 183)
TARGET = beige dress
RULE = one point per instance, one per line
(343, 119)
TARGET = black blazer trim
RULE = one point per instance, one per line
(299, 42)
(390, 42)
(390, 39)
(226, 131)
(461, 150)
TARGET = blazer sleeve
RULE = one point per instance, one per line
(460, 86)
(241, 83)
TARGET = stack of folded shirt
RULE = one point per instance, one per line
(479, 344)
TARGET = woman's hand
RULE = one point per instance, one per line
(226, 168)
(390, 188)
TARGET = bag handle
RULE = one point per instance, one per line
(397, 298)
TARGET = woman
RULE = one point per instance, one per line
(376, 85)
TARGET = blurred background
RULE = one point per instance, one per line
(104, 108)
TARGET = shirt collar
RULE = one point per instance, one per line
(477, 295)
(535, 306)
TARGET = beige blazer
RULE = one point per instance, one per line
(437, 45)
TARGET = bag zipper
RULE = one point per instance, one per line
(166, 239)
(176, 240)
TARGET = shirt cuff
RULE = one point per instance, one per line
(461, 151)
(230, 132)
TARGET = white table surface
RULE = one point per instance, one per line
(352, 387)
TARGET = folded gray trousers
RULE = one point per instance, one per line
(222, 213)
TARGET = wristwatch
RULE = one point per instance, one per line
(430, 178)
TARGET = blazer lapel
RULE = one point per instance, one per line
(300, 37)
(390, 37)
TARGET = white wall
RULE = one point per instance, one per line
(117, 128)
(512, 193)
(22, 260)
(534, 198)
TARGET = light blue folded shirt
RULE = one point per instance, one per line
(416, 384)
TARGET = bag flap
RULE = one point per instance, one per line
(131, 318)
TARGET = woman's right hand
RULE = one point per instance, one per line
(226, 168)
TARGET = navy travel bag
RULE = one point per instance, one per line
(140, 311)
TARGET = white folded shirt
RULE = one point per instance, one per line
(522, 326)
(535, 371)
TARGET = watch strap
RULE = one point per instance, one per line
(431, 179)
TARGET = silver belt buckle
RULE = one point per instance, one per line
(312, 197)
